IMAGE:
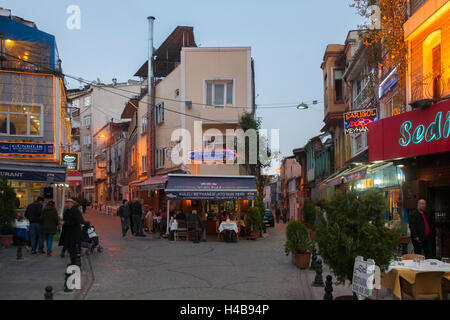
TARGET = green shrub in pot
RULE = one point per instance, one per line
(297, 238)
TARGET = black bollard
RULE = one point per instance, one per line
(19, 253)
(313, 259)
(48, 293)
(328, 289)
(318, 281)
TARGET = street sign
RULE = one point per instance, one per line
(74, 178)
(364, 275)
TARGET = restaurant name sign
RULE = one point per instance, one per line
(415, 133)
(70, 160)
(26, 148)
(358, 121)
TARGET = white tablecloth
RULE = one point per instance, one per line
(228, 226)
(423, 266)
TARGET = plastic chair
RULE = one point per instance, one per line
(411, 256)
(428, 285)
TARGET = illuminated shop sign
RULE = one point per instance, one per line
(26, 148)
(358, 121)
(70, 160)
(212, 155)
(388, 83)
(424, 134)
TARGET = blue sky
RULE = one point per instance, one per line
(288, 40)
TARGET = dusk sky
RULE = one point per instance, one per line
(288, 39)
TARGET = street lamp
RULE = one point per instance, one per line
(302, 106)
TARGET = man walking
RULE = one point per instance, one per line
(422, 226)
(136, 214)
(124, 214)
(71, 234)
(195, 220)
(33, 214)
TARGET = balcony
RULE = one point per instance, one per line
(431, 87)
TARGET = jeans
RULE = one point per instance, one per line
(36, 230)
(49, 240)
(137, 225)
(125, 225)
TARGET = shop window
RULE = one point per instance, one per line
(19, 120)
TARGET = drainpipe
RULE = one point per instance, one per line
(150, 110)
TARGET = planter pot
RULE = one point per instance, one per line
(254, 235)
(302, 260)
(312, 235)
(6, 240)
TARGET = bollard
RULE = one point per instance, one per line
(48, 293)
(313, 259)
(19, 253)
(328, 289)
(318, 281)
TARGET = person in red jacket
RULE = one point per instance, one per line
(422, 226)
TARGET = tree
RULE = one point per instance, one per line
(354, 227)
(7, 208)
(248, 122)
(386, 45)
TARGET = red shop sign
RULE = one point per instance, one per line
(416, 133)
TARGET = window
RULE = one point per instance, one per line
(87, 121)
(88, 158)
(87, 101)
(177, 93)
(76, 104)
(212, 142)
(159, 110)
(219, 93)
(20, 120)
(160, 158)
(144, 163)
(133, 155)
(144, 124)
(338, 85)
(87, 140)
(326, 90)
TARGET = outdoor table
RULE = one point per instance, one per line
(408, 271)
(228, 225)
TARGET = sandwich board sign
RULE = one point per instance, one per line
(365, 273)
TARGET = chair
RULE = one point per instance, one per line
(427, 285)
(411, 256)
(219, 234)
(181, 229)
(192, 228)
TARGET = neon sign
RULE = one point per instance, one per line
(358, 121)
(432, 132)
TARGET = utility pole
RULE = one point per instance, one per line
(151, 108)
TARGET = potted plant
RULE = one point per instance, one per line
(354, 227)
(298, 243)
(7, 213)
(254, 222)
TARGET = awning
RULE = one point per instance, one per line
(348, 175)
(33, 173)
(210, 187)
(152, 183)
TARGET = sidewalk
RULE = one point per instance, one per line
(27, 279)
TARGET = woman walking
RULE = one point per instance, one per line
(49, 221)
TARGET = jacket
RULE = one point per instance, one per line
(49, 220)
(71, 231)
(33, 212)
(195, 218)
(417, 225)
(124, 211)
(136, 209)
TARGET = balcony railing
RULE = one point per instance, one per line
(431, 86)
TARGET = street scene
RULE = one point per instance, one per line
(188, 175)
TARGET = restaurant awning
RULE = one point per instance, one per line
(210, 187)
(347, 175)
(152, 183)
(33, 173)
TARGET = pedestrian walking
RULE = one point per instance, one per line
(124, 214)
(84, 204)
(136, 214)
(130, 205)
(163, 223)
(49, 221)
(33, 214)
(195, 219)
(71, 233)
(422, 226)
(278, 214)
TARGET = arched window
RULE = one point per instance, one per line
(432, 66)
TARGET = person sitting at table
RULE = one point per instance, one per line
(225, 216)
(243, 228)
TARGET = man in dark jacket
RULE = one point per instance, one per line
(422, 226)
(71, 234)
(194, 218)
(136, 214)
(124, 214)
(33, 214)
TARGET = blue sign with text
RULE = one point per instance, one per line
(26, 148)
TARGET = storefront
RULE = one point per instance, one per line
(151, 191)
(210, 196)
(418, 143)
(30, 182)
